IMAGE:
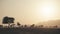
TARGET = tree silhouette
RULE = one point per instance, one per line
(7, 20)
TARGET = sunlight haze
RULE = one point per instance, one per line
(30, 11)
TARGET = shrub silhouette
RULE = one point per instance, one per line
(18, 24)
(32, 25)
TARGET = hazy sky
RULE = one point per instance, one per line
(30, 11)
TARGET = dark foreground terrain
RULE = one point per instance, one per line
(29, 31)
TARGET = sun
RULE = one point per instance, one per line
(47, 12)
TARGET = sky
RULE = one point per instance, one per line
(30, 11)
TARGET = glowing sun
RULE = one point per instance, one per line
(47, 12)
